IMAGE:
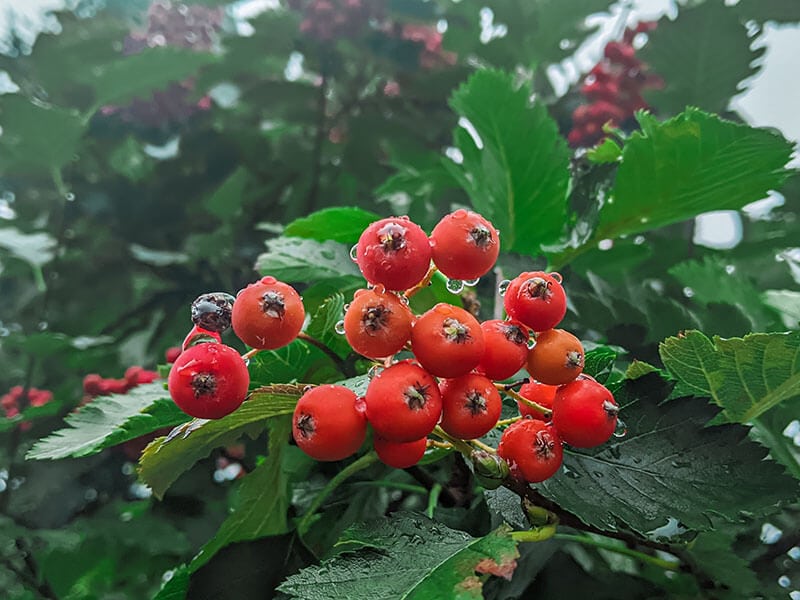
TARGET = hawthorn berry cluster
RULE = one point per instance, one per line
(449, 386)
(96, 385)
(614, 88)
(12, 402)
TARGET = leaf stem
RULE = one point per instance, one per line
(433, 499)
(359, 465)
(458, 444)
(537, 534)
(485, 447)
(504, 422)
(669, 565)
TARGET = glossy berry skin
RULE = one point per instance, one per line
(505, 348)
(540, 393)
(329, 423)
(198, 335)
(403, 403)
(212, 311)
(268, 314)
(377, 323)
(556, 358)
(471, 406)
(208, 381)
(536, 299)
(464, 245)
(584, 413)
(393, 252)
(447, 341)
(399, 455)
(532, 450)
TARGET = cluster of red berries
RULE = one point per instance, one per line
(12, 402)
(96, 385)
(614, 88)
(450, 386)
(326, 20)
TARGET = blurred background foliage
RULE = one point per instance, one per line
(149, 150)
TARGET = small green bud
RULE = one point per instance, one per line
(490, 470)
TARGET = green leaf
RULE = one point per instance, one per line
(340, 223)
(298, 259)
(163, 461)
(263, 500)
(691, 164)
(639, 368)
(137, 75)
(226, 201)
(37, 136)
(712, 552)
(518, 179)
(110, 420)
(744, 376)
(669, 465)
(284, 365)
(787, 303)
(323, 325)
(710, 282)
(599, 362)
(176, 587)
(781, 11)
(607, 151)
(700, 69)
(406, 556)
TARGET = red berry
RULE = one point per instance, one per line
(172, 354)
(603, 111)
(556, 358)
(600, 90)
(447, 341)
(399, 455)
(138, 375)
(540, 393)
(329, 423)
(536, 299)
(209, 381)
(268, 314)
(8, 401)
(403, 403)
(505, 348)
(532, 450)
(377, 323)
(584, 413)
(393, 252)
(471, 406)
(39, 397)
(464, 245)
(621, 53)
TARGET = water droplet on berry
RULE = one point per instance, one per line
(268, 280)
(503, 287)
(354, 253)
(454, 286)
(621, 430)
(379, 288)
(460, 214)
(472, 282)
(557, 276)
(339, 327)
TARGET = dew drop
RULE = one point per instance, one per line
(730, 269)
(354, 253)
(454, 286)
(472, 282)
(784, 581)
(688, 292)
(794, 553)
(621, 429)
(557, 276)
(770, 534)
(502, 288)
(460, 214)
(69, 197)
(339, 327)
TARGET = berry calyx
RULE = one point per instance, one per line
(505, 348)
(471, 406)
(536, 299)
(209, 381)
(532, 449)
(329, 423)
(377, 323)
(267, 314)
(403, 403)
(393, 252)
(556, 358)
(584, 413)
(399, 455)
(447, 341)
(464, 245)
